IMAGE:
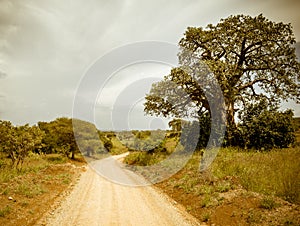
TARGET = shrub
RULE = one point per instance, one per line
(264, 127)
(195, 134)
(268, 203)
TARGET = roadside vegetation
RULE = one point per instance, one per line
(27, 193)
(246, 187)
(251, 63)
(240, 187)
(254, 179)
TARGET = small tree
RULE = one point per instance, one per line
(27, 139)
(19, 141)
(263, 126)
(8, 140)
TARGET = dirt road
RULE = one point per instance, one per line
(98, 201)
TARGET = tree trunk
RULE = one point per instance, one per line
(73, 154)
(230, 123)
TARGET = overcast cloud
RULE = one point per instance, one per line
(46, 46)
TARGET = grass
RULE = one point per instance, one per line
(32, 164)
(29, 189)
(246, 182)
(64, 178)
(250, 184)
(161, 152)
(270, 173)
(118, 147)
(205, 217)
(56, 159)
(34, 187)
(142, 158)
(4, 211)
(268, 203)
(254, 217)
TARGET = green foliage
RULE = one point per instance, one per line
(29, 189)
(297, 131)
(141, 140)
(205, 217)
(140, 158)
(59, 137)
(159, 152)
(87, 138)
(33, 165)
(175, 124)
(265, 127)
(106, 140)
(250, 57)
(268, 203)
(195, 134)
(19, 141)
(57, 159)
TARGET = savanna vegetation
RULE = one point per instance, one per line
(27, 193)
(232, 77)
(39, 163)
(236, 72)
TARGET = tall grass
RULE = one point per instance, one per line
(273, 173)
(34, 163)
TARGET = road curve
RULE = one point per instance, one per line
(98, 201)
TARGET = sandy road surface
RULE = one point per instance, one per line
(98, 201)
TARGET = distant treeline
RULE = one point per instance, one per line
(63, 135)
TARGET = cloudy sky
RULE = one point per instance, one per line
(47, 46)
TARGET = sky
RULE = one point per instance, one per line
(48, 46)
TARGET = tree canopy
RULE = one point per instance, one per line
(18, 141)
(252, 58)
(63, 135)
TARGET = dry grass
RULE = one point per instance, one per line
(271, 173)
(27, 193)
(240, 188)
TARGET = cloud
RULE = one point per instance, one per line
(2, 74)
(47, 46)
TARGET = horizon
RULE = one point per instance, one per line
(46, 49)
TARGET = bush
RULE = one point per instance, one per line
(268, 203)
(195, 134)
(141, 158)
(264, 127)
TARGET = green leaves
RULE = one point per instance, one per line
(265, 127)
(19, 141)
(59, 137)
(251, 58)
